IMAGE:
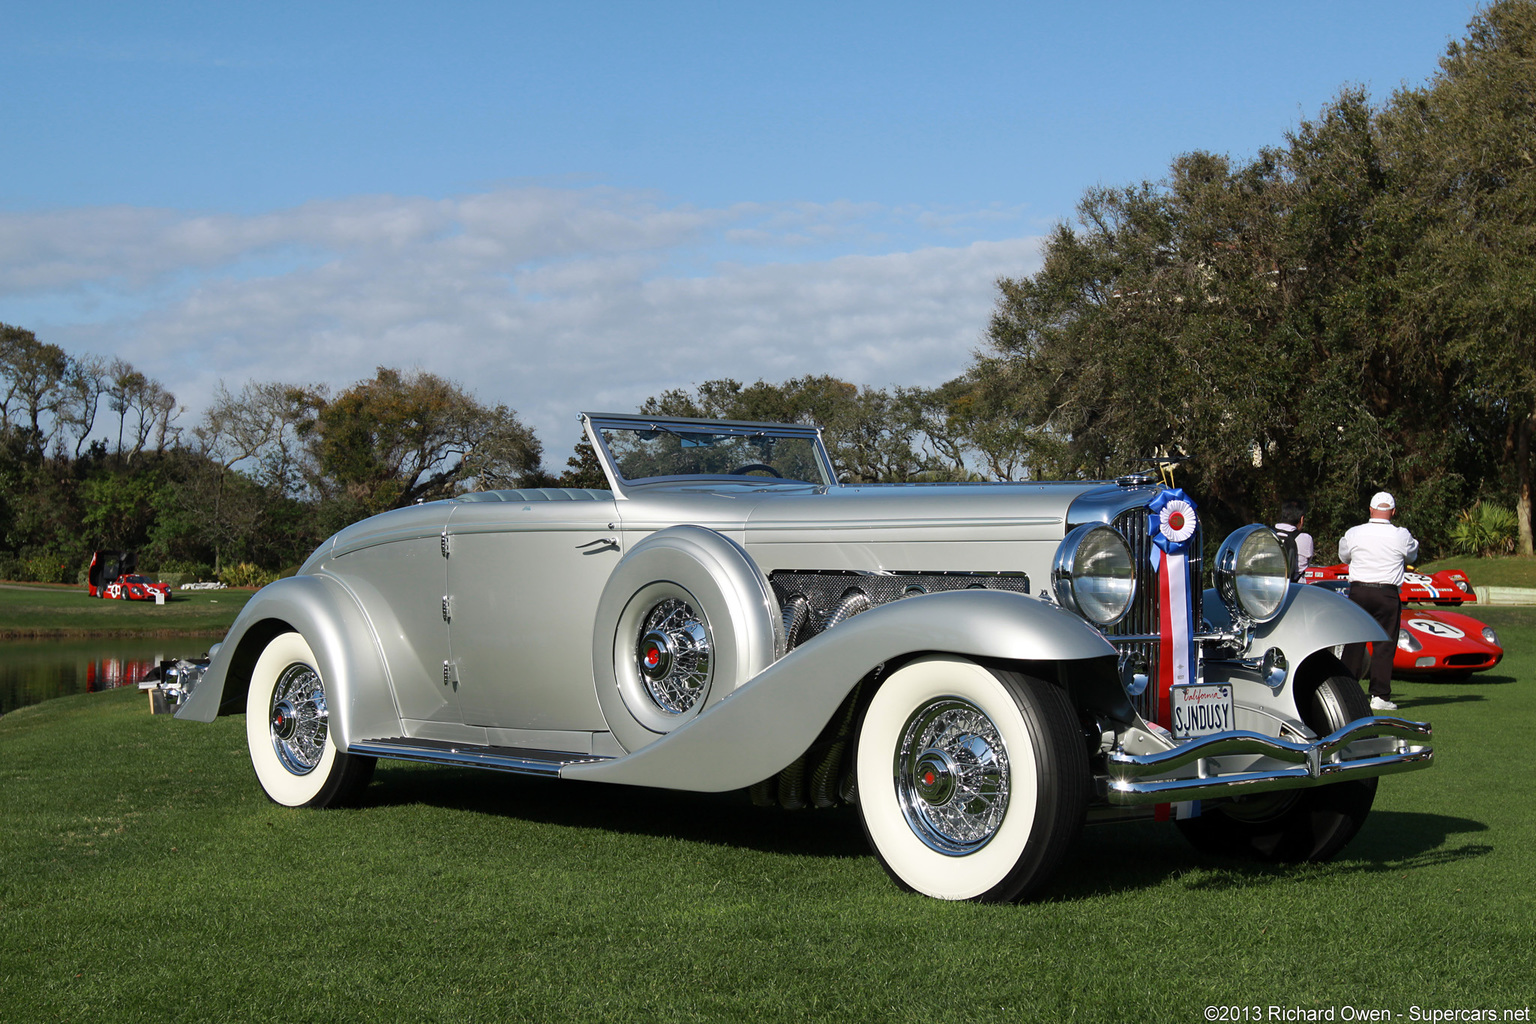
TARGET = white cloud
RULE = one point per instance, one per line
(548, 300)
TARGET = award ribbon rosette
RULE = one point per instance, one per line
(1172, 521)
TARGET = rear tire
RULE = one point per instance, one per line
(1294, 826)
(972, 782)
(287, 727)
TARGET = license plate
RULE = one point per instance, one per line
(1200, 710)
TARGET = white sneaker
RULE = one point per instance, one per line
(1382, 704)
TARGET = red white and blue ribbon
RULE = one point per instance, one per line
(1172, 522)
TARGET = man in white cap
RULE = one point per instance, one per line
(1377, 553)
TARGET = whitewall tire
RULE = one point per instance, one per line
(972, 781)
(287, 727)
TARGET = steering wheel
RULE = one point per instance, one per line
(749, 467)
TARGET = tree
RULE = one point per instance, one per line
(1468, 140)
(84, 386)
(583, 469)
(399, 438)
(31, 375)
(1266, 320)
(143, 400)
(259, 428)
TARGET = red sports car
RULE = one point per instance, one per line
(1446, 587)
(1444, 644)
(112, 576)
(1431, 642)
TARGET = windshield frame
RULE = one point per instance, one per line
(596, 423)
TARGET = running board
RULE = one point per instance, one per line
(521, 760)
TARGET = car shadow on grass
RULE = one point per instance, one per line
(1410, 707)
(723, 819)
(1113, 859)
(1106, 859)
(1457, 682)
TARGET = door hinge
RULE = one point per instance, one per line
(450, 675)
(447, 613)
(443, 542)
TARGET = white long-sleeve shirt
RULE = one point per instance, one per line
(1377, 551)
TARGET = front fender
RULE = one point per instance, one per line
(1312, 619)
(329, 619)
(771, 719)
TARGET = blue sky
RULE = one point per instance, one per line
(568, 206)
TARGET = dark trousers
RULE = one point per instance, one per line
(1382, 603)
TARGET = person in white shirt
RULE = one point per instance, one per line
(1377, 553)
(1293, 515)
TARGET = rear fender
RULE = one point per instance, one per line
(774, 717)
(329, 619)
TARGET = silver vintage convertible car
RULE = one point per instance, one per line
(980, 669)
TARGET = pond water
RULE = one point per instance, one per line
(39, 670)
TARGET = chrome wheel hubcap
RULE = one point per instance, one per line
(952, 776)
(673, 656)
(299, 719)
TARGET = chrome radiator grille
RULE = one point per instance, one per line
(1143, 618)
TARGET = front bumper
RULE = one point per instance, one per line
(1380, 746)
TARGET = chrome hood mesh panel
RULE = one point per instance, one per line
(827, 593)
(1142, 621)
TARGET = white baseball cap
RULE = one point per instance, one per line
(1382, 500)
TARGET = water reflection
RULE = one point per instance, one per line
(39, 670)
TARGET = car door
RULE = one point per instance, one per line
(524, 577)
(396, 569)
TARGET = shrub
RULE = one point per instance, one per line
(46, 568)
(1485, 530)
(186, 568)
(246, 575)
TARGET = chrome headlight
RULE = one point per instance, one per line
(1251, 574)
(1093, 575)
(1490, 636)
(1408, 642)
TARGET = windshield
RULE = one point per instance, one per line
(647, 451)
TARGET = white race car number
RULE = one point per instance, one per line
(1200, 710)
(1434, 627)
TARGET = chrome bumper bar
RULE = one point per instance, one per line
(1307, 764)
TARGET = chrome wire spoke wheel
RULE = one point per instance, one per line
(973, 781)
(299, 719)
(952, 776)
(288, 730)
(673, 656)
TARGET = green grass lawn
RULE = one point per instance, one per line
(1514, 571)
(144, 877)
(35, 609)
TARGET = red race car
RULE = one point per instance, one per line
(1431, 642)
(112, 576)
(1447, 587)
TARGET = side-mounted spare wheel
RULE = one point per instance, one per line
(287, 726)
(1294, 825)
(972, 781)
(686, 617)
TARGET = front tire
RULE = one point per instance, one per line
(1295, 826)
(972, 782)
(287, 727)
